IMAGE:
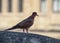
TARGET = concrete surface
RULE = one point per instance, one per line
(19, 37)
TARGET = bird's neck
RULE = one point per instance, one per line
(32, 17)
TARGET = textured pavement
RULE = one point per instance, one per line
(18, 37)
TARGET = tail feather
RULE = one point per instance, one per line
(14, 27)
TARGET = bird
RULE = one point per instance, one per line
(26, 23)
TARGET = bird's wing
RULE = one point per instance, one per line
(25, 23)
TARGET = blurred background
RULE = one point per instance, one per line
(48, 22)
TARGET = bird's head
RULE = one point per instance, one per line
(34, 14)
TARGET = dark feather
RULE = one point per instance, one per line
(25, 24)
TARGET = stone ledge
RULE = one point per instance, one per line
(18, 37)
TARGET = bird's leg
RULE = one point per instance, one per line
(23, 30)
(27, 30)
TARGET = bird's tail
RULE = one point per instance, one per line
(14, 27)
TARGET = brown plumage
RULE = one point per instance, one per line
(25, 24)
